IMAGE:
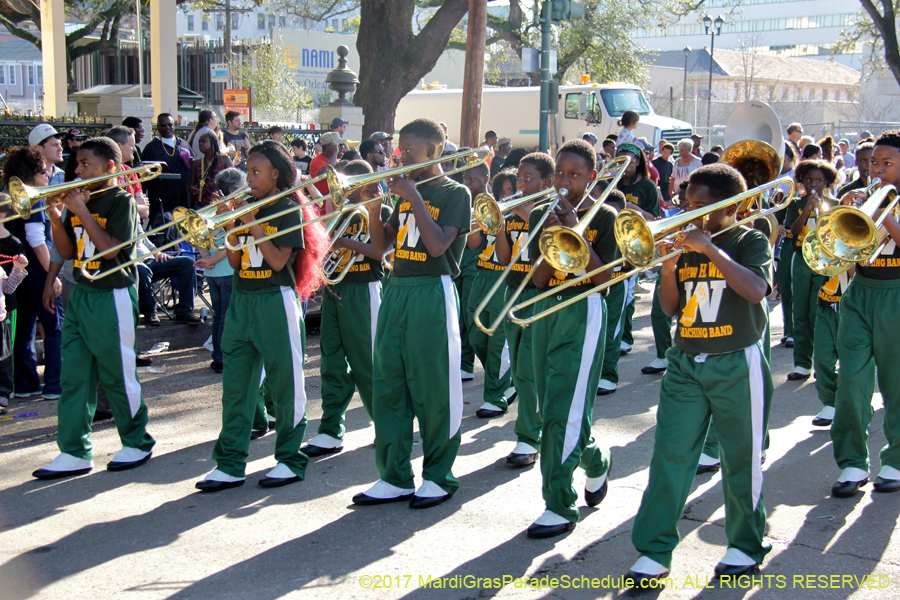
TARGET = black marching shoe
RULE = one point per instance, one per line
(820, 422)
(428, 502)
(641, 581)
(274, 482)
(522, 460)
(124, 466)
(886, 485)
(701, 469)
(847, 489)
(595, 498)
(363, 500)
(46, 474)
(143, 361)
(314, 451)
(151, 319)
(545, 531)
(255, 434)
(217, 367)
(488, 413)
(217, 486)
(723, 570)
(797, 376)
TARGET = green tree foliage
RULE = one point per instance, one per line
(274, 85)
(875, 28)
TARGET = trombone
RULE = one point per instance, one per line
(340, 187)
(488, 213)
(849, 233)
(611, 170)
(200, 228)
(662, 230)
(23, 197)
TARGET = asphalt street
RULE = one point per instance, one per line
(147, 534)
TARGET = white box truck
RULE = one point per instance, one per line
(513, 112)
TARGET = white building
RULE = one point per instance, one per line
(781, 27)
(251, 23)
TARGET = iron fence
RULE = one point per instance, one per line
(14, 131)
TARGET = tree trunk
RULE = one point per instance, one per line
(392, 60)
(886, 27)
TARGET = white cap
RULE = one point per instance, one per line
(331, 137)
(41, 133)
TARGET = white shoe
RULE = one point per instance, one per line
(625, 347)
(466, 376)
(208, 344)
(325, 441)
(606, 386)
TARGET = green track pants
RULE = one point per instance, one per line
(262, 329)
(867, 338)
(661, 324)
(806, 285)
(416, 374)
(734, 389)
(467, 271)
(349, 316)
(521, 364)
(98, 347)
(489, 348)
(568, 358)
(825, 355)
(784, 286)
(615, 320)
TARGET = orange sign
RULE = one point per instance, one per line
(239, 100)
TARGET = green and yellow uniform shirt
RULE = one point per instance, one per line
(885, 266)
(599, 234)
(832, 290)
(517, 237)
(487, 258)
(644, 193)
(712, 318)
(255, 273)
(793, 213)
(449, 203)
(116, 213)
(364, 269)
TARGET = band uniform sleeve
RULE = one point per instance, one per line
(605, 242)
(756, 255)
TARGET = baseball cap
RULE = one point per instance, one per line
(379, 136)
(590, 135)
(502, 141)
(76, 133)
(337, 122)
(696, 137)
(41, 133)
(331, 137)
(844, 141)
(643, 145)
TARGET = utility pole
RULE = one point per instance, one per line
(226, 42)
(551, 11)
(473, 81)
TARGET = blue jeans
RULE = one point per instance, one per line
(30, 299)
(220, 294)
(180, 267)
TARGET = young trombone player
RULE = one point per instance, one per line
(535, 174)
(717, 369)
(568, 346)
(867, 340)
(98, 333)
(417, 343)
(349, 314)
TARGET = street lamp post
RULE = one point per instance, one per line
(713, 28)
(687, 53)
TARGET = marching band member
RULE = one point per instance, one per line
(347, 329)
(825, 353)
(535, 173)
(866, 341)
(99, 344)
(490, 349)
(264, 328)
(815, 176)
(568, 350)
(717, 369)
(616, 305)
(417, 343)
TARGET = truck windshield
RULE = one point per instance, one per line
(618, 101)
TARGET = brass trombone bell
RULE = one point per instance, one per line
(488, 213)
(850, 233)
(756, 160)
(565, 248)
(23, 197)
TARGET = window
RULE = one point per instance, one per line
(812, 95)
(334, 24)
(31, 76)
(271, 21)
(190, 22)
(204, 22)
(282, 21)
(40, 80)
(2, 75)
(12, 75)
(847, 96)
(618, 101)
(737, 92)
(824, 95)
(572, 106)
(261, 21)
(834, 95)
(784, 93)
